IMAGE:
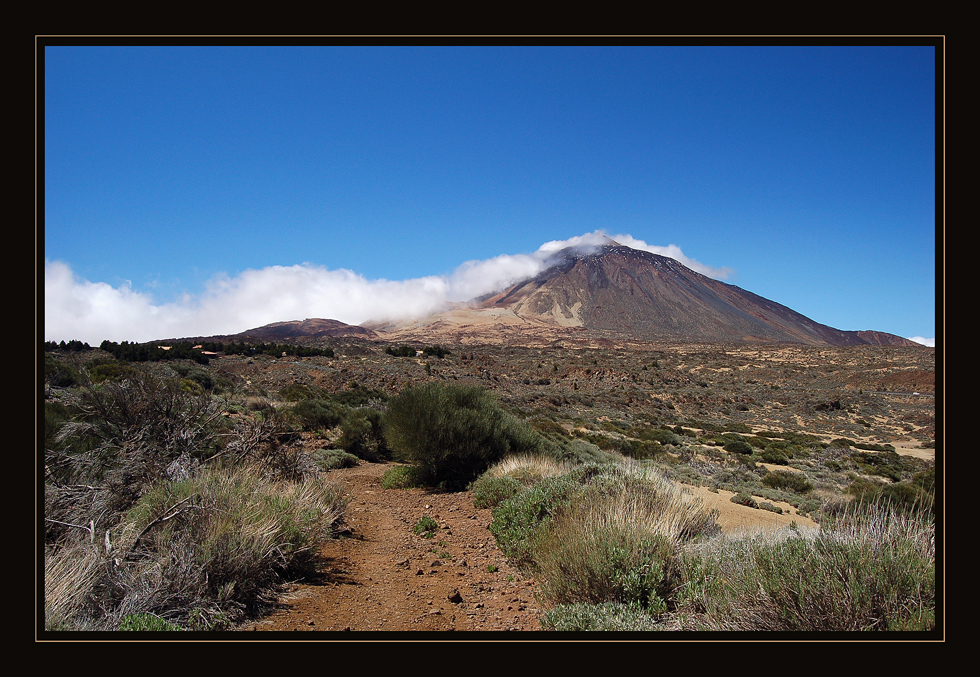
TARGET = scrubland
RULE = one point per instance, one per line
(183, 494)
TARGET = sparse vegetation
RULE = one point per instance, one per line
(425, 527)
(193, 453)
(871, 569)
(160, 514)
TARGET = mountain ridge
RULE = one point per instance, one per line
(603, 292)
(646, 295)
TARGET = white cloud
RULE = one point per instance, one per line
(591, 241)
(931, 342)
(674, 252)
(96, 311)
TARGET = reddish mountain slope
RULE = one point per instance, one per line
(648, 296)
(311, 328)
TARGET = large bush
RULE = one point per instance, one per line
(120, 438)
(453, 433)
(318, 414)
(362, 434)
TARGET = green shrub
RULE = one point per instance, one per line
(425, 527)
(744, 499)
(906, 496)
(318, 414)
(147, 623)
(775, 456)
(195, 374)
(332, 459)
(738, 447)
(400, 477)
(489, 491)
(362, 434)
(517, 520)
(56, 414)
(766, 505)
(581, 451)
(787, 479)
(618, 540)
(111, 371)
(296, 392)
(58, 374)
(453, 433)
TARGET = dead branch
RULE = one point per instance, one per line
(171, 512)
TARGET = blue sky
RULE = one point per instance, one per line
(193, 190)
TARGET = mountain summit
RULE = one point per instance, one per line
(613, 288)
(602, 291)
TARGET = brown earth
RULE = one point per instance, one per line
(383, 577)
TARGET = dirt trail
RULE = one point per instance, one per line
(383, 577)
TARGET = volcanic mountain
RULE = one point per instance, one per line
(612, 289)
(311, 328)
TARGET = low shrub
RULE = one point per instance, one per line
(580, 451)
(333, 459)
(147, 623)
(400, 477)
(425, 527)
(318, 414)
(362, 435)
(58, 374)
(197, 553)
(738, 447)
(787, 479)
(744, 499)
(295, 392)
(602, 617)
(871, 568)
(774, 456)
(906, 496)
(517, 520)
(489, 491)
(766, 505)
(619, 540)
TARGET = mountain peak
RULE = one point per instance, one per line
(608, 287)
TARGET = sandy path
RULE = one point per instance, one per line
(385, 578)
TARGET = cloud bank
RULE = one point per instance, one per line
(95, 311)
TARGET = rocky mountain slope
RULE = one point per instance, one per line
(610, 293)
(616, 290)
